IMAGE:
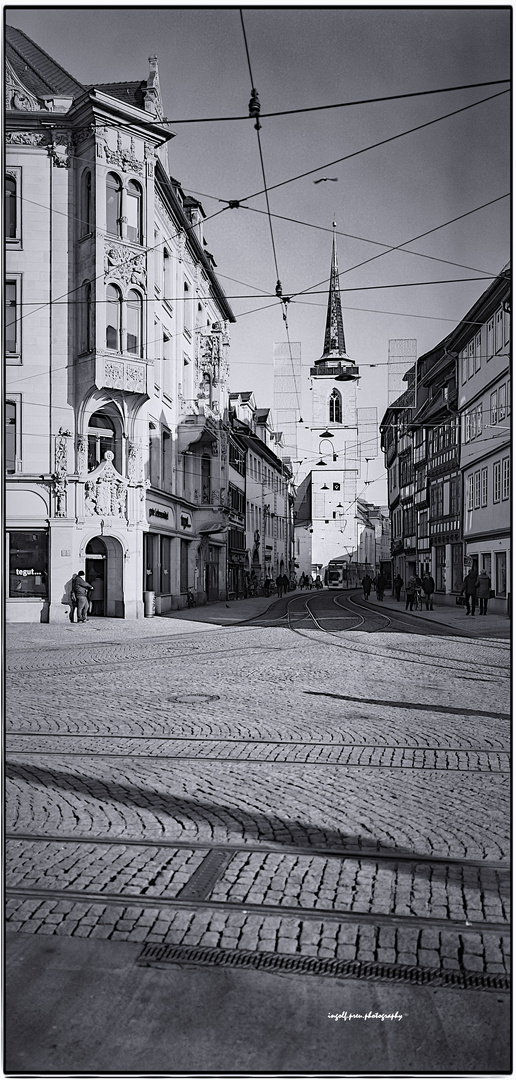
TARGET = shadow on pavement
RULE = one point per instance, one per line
(255, 826)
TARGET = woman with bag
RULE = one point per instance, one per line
(484, 589)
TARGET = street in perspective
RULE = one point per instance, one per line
(258, 597)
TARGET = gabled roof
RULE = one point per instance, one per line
(131, 93)
(41, 75)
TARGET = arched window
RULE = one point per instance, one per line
(85, 223)
(335, 407)
(134, 212)
(11, 217)
(114, 318)
(134, 323)
(101, 437)
(113, 205)
(10, 437)
(86, 318)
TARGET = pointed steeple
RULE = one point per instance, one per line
(334, 343)
(334, 357)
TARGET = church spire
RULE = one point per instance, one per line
(334, 343)
(334, 357)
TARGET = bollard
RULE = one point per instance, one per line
(149, 604)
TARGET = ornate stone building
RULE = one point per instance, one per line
(117, 352)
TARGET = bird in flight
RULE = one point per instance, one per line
(321, 178)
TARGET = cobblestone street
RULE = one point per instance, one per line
(245, 788)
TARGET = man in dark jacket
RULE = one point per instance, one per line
(429, 589)
(81, 590)
(469, 590)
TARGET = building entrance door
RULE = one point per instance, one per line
(212, 572)
(104, 570)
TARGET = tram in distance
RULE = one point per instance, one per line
(337, 573)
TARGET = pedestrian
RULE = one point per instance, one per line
(398, 585)
(469, 590)
(82, 588)
(286, 583)
(484, 589)
(380, 586)
(366, 585)
(73, 599)
(428, 589)
(279, 585)
(97, 594)
(410, 592)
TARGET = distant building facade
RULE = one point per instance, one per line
(446, 446)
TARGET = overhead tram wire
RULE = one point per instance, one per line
(420, 236)
(382, 142)
(254, 111)
(340, 104)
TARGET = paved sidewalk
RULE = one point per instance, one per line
(85, 1007)
(478, 626)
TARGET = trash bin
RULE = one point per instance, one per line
(149, 604)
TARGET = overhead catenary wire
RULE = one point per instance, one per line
(373, 146)
(339, 104)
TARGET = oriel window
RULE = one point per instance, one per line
(134, 212)
(113, 205)
(134, 323)
(114, 318)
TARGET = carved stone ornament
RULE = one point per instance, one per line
(61, 150)
(106, 490)
(25, 138)
(82, 455)
(17, 97)
(59, 476)
(125, 160)
(132, 463)
(121, 264)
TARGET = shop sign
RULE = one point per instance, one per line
(186, 521)
(154, 512)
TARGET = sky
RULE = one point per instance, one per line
(301, 57)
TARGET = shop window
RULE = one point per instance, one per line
(485, 559)
(457, 567)
(85, 223)
(113, 205)
(496, 481)
(11, 208)
(134, 322)
(483, 485)
(11, 317)
(114, 318)
(101, 437)
(10, 437)
(165, 557)
(501, 573)
(134, 205)
(183, 566)
(335, 407)
(28, 564)
(505, 477)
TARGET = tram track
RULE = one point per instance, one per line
(463, 674)
(204, 887)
